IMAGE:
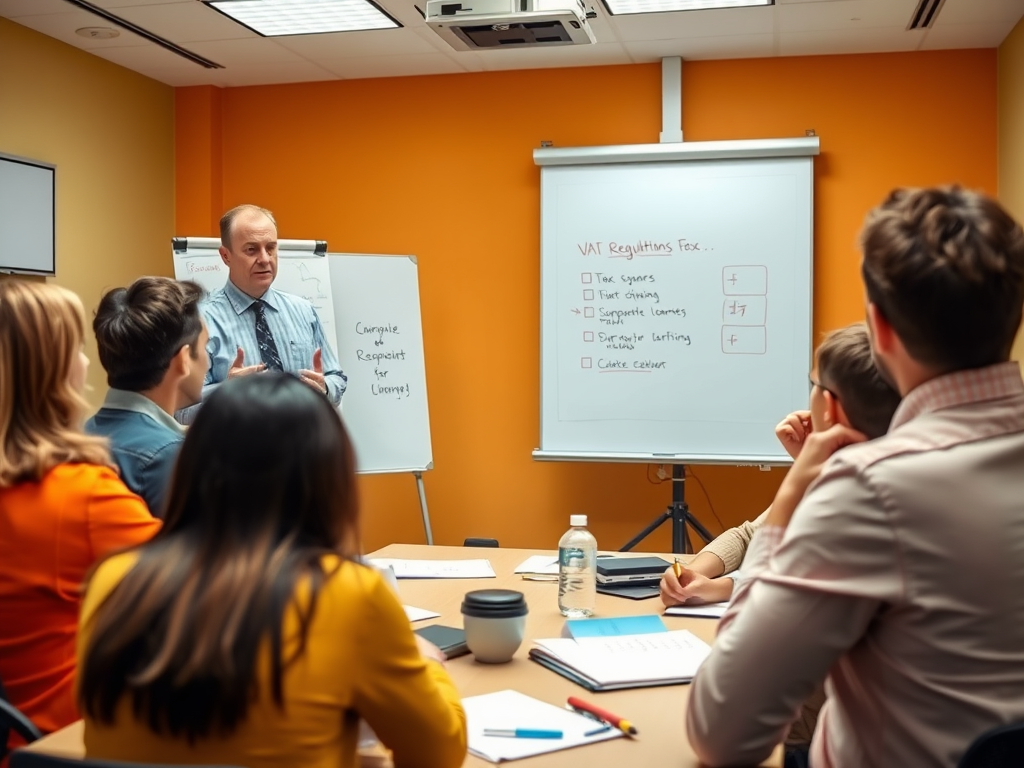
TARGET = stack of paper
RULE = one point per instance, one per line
(514, 710)
(436, 569)
(539, 567)
(626, 661)
(419, 614)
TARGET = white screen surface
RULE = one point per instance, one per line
(26, 216)
(676, 307)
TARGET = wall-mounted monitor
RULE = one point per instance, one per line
(27, 216)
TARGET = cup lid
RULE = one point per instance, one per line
(494, 603)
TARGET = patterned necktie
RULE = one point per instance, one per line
(265, 339)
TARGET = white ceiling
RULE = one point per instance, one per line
(789, 28)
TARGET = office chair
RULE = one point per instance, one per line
(1001, 747)
(23, 759)
(11, 719)
(475, 542)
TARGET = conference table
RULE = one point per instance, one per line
(658, 713)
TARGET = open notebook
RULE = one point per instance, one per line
(625, 661)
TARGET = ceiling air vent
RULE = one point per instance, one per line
(925, 14)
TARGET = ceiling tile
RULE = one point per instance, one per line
(243, 53)
(693, 49)
(185, 22)
(841, 14)
(663, 26)
(943, 36)
(393, 66)
(146, 57)
(11, 9)
(980, 12)
(111, 4)
(371, 42)
(828, 42)
(563, 56)
(268, 74)
(62, 26)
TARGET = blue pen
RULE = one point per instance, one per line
(522, 733)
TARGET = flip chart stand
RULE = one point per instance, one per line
(423, 508)
(679, 513)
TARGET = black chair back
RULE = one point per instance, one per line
(11, 719)
(1001, 747)
(475, 542)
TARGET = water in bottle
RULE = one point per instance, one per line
(577, 570)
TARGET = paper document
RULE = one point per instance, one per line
(419, 614)
(511, 709)
(542, 564)
(622, 625)
(437, 569)
(626, 661)
(709, 611)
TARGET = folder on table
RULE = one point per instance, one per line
(625, 661)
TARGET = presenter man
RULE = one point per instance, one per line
(253, 326)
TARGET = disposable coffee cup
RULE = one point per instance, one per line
(495, 621)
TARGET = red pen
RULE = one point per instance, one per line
(623, 725)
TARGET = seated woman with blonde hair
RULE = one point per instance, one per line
(62, 505)
(248, 632)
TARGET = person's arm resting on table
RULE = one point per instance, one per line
(409, 701)
(810, 593)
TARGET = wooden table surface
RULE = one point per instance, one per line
(658, 713)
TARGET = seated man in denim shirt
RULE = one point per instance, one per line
(152, 344)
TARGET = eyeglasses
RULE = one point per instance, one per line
(820, 386)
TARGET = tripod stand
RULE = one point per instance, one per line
(679, 513)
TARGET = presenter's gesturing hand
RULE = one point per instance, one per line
(315, 378)
(237, 369)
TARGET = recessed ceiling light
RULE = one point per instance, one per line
(621, 7)
(98, 33)
(272, 18)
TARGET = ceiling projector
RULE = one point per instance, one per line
(477, 25)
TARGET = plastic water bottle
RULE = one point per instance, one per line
(577, 570)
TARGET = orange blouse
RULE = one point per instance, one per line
(51, 534)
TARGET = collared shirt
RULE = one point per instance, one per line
(296, 328)
(144, 441)
(901, 578)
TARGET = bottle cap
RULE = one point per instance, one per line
(578, 521)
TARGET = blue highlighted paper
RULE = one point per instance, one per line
(622, 625)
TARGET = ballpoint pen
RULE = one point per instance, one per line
(622, 724)
(523, 733)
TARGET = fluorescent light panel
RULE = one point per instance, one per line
(622, 7)
(273, 18)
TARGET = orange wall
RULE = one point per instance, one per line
(109, 131)
(441, 167)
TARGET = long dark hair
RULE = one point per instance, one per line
(264, 488)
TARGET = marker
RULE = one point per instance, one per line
(522, 733)
(623, 725)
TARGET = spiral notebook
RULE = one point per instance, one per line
(625, 661)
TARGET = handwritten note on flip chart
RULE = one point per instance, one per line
(380, 342)
(675, 305)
